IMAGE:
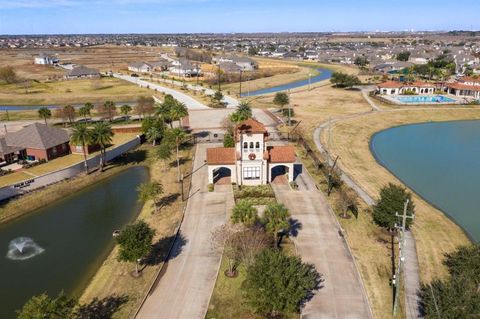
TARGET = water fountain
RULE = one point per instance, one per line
(23, 248)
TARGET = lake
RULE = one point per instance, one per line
(440, 162)
(324, 74)
(68, 240)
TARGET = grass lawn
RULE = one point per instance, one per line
(227, 299)
(435, 234)
(114, 277)
(71, 92)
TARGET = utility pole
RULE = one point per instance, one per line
(240, 94)
(401, 258)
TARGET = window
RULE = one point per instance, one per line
(245, 147)
(54, 151)
(257, 147)
(251, 172)
(251, 146)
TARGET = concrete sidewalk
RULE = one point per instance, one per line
(184, 290)
(319, 242)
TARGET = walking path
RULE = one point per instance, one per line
(411, 266)
(184, 290)
(319, 242)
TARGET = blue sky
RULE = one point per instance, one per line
(188, 16)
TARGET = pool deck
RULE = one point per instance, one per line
(451, 99)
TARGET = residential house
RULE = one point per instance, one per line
(10, 154)
(140, 66)
(467, 86)
(245, 63)
(82, 72)
(44, 59)
(39, 141)
(185, 68)
(251, 161)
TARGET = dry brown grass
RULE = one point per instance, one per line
(435, 234)
(71, 92)
(114, 277)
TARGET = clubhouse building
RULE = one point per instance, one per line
(251, 161)
(465, 87)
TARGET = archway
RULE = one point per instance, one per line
(279, 174)
(222, 176)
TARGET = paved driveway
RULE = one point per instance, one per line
(185, 288)
(318, 242)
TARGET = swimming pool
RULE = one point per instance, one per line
(416, 99)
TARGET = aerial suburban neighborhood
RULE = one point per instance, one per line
(205, 159)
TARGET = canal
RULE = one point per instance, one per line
(61, 246)
(440, 161)
(324, 74)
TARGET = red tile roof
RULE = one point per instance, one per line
(280, 154)
(251, 126)
(221, 155)
(461, 86)
(470, 79)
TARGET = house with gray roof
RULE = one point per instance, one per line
(39, 141)
(82, 72)
(10, 154)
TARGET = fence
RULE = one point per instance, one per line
(34, 183)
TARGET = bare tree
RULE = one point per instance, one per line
(250, 242)
(347, 200)
(223, 239)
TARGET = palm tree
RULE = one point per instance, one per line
(243, 112)
(153, 134)
(85, 110)
(178, 111)
(102, 135)
(82, 135)
(176, 135)
(164, 110)
(276, 220)
(44, 113)
(125, 109)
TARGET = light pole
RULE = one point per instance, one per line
(219, 88)
(309, 80)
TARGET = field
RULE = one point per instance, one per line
(104, 58)
(71, 92)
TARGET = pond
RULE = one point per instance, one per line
(440, 162)
(63, 245)
(324, 74)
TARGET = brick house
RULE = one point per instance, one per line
(39, 141)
